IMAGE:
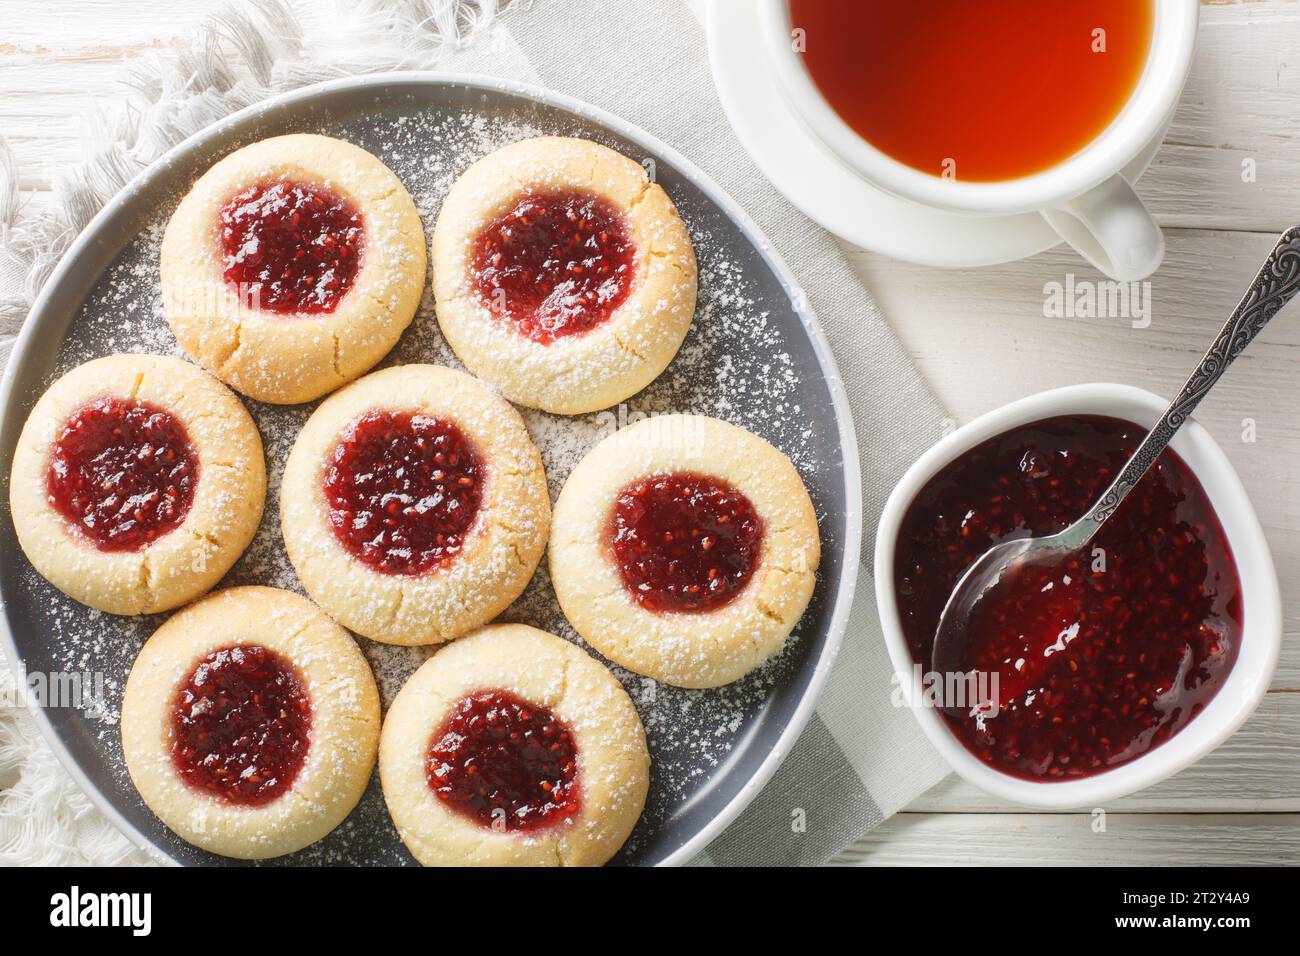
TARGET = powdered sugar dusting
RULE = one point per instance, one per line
(741, 362)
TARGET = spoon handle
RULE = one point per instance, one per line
(1275, 285)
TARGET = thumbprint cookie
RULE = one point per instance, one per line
(562, 274)
(684, 548)
(513, 747)
(414, 506)
(250, 723)
(292, 267)
(137, 482)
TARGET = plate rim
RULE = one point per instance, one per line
(26, 343)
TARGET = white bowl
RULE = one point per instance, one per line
(1261, 636)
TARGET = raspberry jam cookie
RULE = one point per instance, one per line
(512, 747)
(562, 274)
(292, 267)
(685, 549)
(250, 723)
(414, 505)
(137, 482)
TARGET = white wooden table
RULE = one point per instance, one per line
(981, 339)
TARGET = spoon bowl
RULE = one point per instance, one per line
(974, 586)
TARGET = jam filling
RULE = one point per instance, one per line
(403, 491)
(685, 541)
(1100, 657)
(555, 264)
(241, 724)
(291, 248)
(122, 472)
(510, 764)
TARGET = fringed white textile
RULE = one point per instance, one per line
(45, 819)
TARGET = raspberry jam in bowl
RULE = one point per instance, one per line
(1116, 669)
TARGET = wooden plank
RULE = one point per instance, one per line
(1239, 106)
(89, 28)
(948, 839)
(60, 66)
(1256, 770)
(44, 111)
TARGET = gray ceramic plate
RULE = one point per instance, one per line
(751, 357)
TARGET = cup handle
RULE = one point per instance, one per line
(1110, 227)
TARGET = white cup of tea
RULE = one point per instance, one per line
(1085, 196)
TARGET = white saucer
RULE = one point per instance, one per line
(830, 193)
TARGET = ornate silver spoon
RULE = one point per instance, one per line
(1276, 284)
